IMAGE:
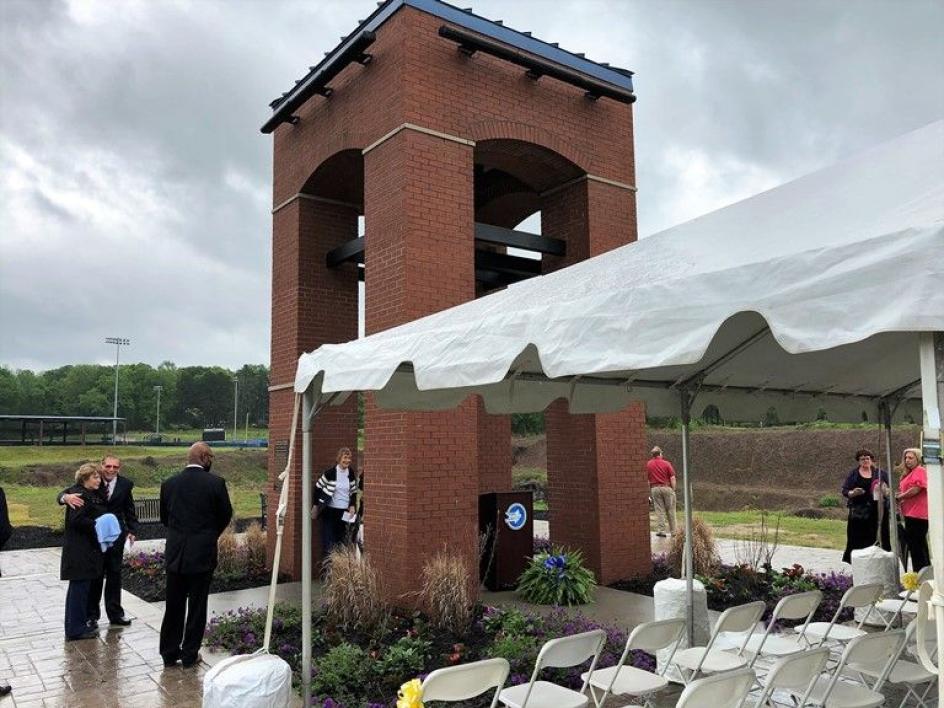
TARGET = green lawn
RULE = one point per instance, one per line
(36, 506)
(32, 476)
(21, 455)
(794, 530)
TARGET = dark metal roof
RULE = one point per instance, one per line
(317, 77)
(61, 418)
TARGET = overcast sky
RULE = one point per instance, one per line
(135, 186)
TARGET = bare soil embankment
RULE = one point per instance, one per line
(774, 468)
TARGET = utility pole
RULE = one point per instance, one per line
(118, 342)
(247, 425)
(157, 421)
(235, 405)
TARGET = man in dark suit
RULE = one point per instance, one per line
(195, 508)
(116, 492)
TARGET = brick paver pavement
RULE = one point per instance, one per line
(121, 668)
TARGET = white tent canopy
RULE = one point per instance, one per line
(814, 284)
(816, 295)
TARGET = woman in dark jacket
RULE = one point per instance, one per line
(336, 496)
(82, 557)
(861, 492)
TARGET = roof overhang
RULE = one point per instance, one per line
(352, 48)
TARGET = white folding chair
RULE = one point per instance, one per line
(711, 660)
(867, 649)
(562, 652)
(796, 672)
(622, 680)
(768, 643)
(727, 690)
(817, 633)
(894, 608)
(465, 681)
(907, 674)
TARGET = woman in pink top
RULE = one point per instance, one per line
(913, 498)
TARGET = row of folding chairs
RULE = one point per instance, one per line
(797, 664)
(466, 681)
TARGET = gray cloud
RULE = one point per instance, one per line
(135, 186)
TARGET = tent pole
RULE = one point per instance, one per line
(305, 511)
(686, 408)
(931, 350)
(885, 411)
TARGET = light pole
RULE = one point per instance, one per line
(118, 342)
(235, 405)
(157, 421)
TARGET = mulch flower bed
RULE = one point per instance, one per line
(355, 668)
(143, 575)
(45, 537)
(731, 585)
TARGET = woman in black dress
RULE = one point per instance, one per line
(82, 557)
(861, 490)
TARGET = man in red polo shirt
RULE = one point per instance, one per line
(662, 490)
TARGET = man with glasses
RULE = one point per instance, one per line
(117, 493)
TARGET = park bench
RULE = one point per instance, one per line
(148, 509)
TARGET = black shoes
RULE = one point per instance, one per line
(120, 622)
(5, 690)
(92, 624)
(188, 663)
(169, 663)
(87, 635)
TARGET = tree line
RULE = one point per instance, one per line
(191, 396)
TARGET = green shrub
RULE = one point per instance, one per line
(338, 672)
(519, 649)
(405, 658)
(829, 501)
(557, 578)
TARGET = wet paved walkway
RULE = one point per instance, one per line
(122, 668)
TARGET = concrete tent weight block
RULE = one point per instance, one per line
(874, 565)
(669, 596)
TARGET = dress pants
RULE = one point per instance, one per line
(916, 531)
(332, 528)
(186, 595)
(663, 499)
(77, 608)
(111, 581)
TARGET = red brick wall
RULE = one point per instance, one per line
(426, 469)
(422, 487)
(311, 305)
(597, 488)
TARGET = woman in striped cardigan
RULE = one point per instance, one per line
(336, 492)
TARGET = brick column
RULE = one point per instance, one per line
(311, 305)
(422, 485)
(597, 488)
(494, 451)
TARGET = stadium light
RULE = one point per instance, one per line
(118, 342)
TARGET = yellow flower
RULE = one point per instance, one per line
(410, 695)
(909, 581)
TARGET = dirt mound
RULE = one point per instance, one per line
(772, 468)
(529, 451)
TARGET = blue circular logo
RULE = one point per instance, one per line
(516, 516)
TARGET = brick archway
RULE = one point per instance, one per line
(428, 119)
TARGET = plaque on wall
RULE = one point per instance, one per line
(281, 457)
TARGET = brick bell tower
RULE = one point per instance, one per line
(444, 131)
